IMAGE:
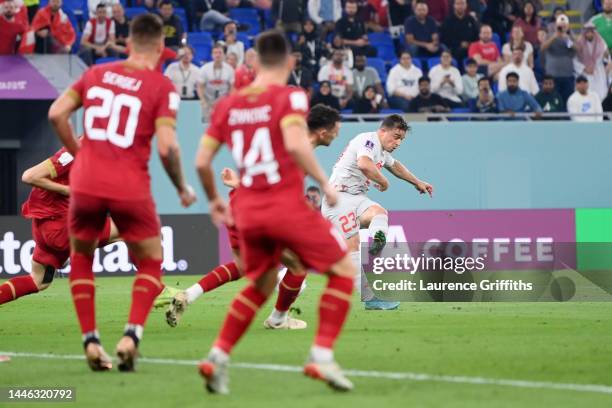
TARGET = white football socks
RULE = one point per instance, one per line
(322, 355)
(379, 222)
(193, 292)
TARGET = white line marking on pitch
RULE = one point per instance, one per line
(596, 388)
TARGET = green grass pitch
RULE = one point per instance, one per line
(565, 343)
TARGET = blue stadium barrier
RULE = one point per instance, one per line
(131, 12)
(391, 111)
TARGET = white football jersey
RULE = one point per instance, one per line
(347, 176)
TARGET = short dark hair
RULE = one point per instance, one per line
(145, 30)
(470, 61)
(581, 78)
(424, 79)
(395, 121)
(483, 79)
(100, 5)
(322, 117)
(272, 48)
(165, 3)
(512, 75)
(313, 189)
(548, 77)
(405, 52)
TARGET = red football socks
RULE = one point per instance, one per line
(288, 290)
(16, 288)
(147, 285)
(333, 310)
(219, 276)
(83, 290)
(243, 309)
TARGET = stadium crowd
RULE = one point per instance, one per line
(360, 56)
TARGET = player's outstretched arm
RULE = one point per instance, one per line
(170, 155)
(40, 176)
(59, 116)
(369, 169)
(400, 171)
(295, 137)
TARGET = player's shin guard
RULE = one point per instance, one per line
(288, 290)
(16, 288)
(241, 313)
(147, 285)
(83, 291)
(333, 310)
(379, 222)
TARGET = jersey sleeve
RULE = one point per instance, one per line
(215, 132)
(60, 163)
(366, 147)
(295, 110)
(389, 160)
(168, 105)
(77, 89)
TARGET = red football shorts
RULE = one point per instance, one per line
(234, 236)
(302, 230)
(136, 220)
(52, 243)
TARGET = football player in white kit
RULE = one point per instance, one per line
(359, 166)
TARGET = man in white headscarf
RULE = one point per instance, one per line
(591, 52)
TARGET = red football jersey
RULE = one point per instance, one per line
(122, 108)
(46, 204)
(250, 121)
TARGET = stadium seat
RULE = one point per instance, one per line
(386, 51)
(268, 20)
(203, 38)
(497, 41)
(254, 26)
(131, 12)
(77, 7)
(180, 12)
(379, 65)
(240, 14)
(202, 53)
(346, 111)
(433, 61)
(391, 111)
(377, 38)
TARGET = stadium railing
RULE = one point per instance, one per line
(465, 116)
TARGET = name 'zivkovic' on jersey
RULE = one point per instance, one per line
(347, 176)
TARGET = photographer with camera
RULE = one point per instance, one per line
(559, 50)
